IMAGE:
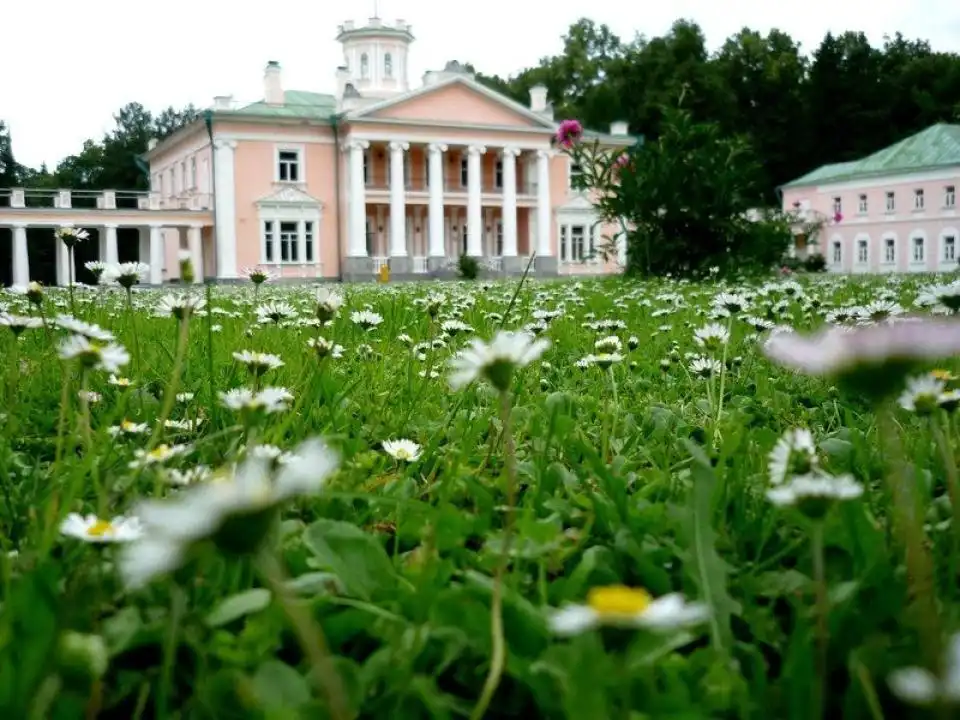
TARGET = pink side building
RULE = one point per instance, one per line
(335, 186)
(892, 211)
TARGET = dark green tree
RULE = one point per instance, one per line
(10, 171)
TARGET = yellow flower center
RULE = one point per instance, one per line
(618, 600)
(128, 425)
(402, 454)
(159, 452)
(944, 375)
(100, 528)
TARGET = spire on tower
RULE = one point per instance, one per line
(376, 8)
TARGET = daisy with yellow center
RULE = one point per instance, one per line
(402, 450)
(621, 606)
(93, 529)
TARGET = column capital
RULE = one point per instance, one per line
(510, 151)
(396, 146)
(437, 147)
(225, 144)
(476, 150)
(545, 154)
(110, 226)
(19, 225)
(156, 226)
(356, 145)
(195, 226)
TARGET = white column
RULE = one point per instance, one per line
(543, 203)
(474, 202)
(398, 208)
(156, 255)
(195, 244)
(357, 244)
(111, 254)
(437, 247)
(21, 258)
(63, 263)
(510, 201)
(226, 205)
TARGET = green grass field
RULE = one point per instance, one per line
(580, 526)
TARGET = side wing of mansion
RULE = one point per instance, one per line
(336, 186)
(892, 211)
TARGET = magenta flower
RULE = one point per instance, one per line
(623, 160)
(569, 133)
(872, 360)
(837, 217)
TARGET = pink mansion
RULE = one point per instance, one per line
(317, 186)
(892, 211)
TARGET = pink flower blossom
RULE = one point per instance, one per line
(569, 133)
(837, 217)
(623, 160)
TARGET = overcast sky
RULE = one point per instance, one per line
(66, 66)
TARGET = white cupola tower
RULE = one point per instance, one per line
(374, 61)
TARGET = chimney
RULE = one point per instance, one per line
(272, 87)
(151, 144)
(619, 128)
(538, 98)
(223, 102)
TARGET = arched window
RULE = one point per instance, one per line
(388, 65)
(364, 65)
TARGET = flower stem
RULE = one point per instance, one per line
(309, 634)
(723, 377)
(822, 612)
(170, 394)
(177, 605)
(498, 653)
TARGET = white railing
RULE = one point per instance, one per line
(419, 265)
(35, 198)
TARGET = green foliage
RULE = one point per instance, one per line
(684, 201)
(468, 267)
(815, 263)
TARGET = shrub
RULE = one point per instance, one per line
(468, 267)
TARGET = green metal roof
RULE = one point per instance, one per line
(296, 104)
(937, 146)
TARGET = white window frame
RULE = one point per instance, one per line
(574, 170)
(918, 199)
(364, 66)
(307, 219)
(837, 205)
(836, 254)
(891, 201)
(388, 65)
(862, 204)
(952, 233)
(301, 164)
(922, 262)
(863, 243)
(887, 240)
(950, 196)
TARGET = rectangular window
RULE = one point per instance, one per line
(891, 201)
(288, 166)
(308, 241)
(268, 238)
(837, 252)
(576, 176)
(578, 234)
(862, 252)
(498, 175)
(369, 236)
(862, 204)
(837, 206)
(918, 199)
(889, 250)
(193, 173)
(918, 250)
(949, 248)
(289, 240)
(563, 243)
(499, 248)
(464, 171)
(950, 196)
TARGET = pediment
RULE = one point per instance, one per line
(290, 196)
(578, 203)
(458, 102)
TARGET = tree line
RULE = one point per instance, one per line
(843, 101)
